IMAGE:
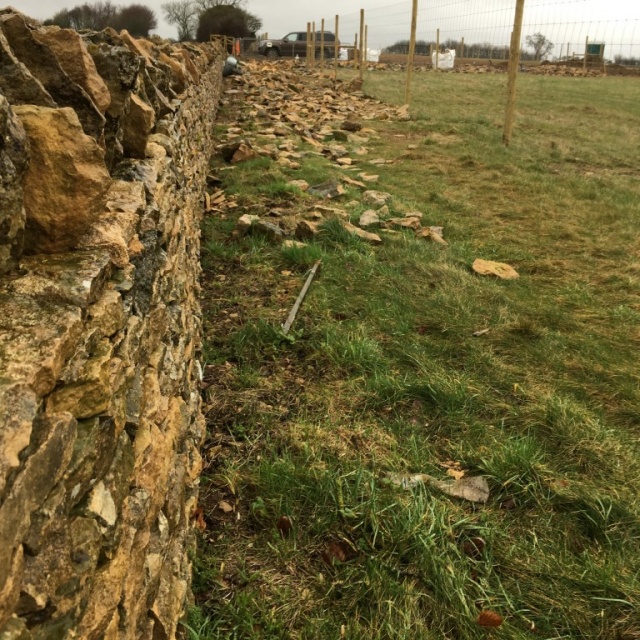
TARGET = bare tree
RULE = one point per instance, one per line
(183, 15)
(540, 45)
(205, 5)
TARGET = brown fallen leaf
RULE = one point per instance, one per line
(491, 268)
(284, 526)
(338, 550)
(488, 618)
(225, 507)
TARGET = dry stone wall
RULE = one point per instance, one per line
(104, 148)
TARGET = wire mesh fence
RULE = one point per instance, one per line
(553, 30)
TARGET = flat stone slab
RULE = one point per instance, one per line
(73, 278)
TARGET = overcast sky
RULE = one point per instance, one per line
(616, 22)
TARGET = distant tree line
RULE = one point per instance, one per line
(627, 61)
(540, 45)
(194, 19)
(137, 19)
(477, 50)
(200, 19)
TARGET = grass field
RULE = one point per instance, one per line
(383, 374)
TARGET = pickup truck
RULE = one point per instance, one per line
(295, 44)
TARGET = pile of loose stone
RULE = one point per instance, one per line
(288, 113)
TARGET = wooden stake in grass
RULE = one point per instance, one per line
(514, 60)
(322, 48)
(586, 54)
(294, 310)
(355, 50)
(437, 49)
(336, 50)
(412, 51)
(361, 55)
(366, 43)
(308, 44)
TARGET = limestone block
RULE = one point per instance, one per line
(137, 126)
(14, 159)
(18, 409)
(170, 601)
(119, 68)
(179, 76)
(106, 316)
(73, 56)
(156, 90)
(10, 583)
(37, 336)
(66, 181)
(90, 395)
(16, 81)
(42, 63)
(187, 60)
(54, 437)
(75, 278)
(136, 46)
(93, 454)
(101, 505)
(15, 629)
(113, 233)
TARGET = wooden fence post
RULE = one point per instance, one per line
(322, 47)
(586, 49)
(514, 59)
(412, 51)
(361, 55)
(437, 48)
(366, 42)
(336, 50)
(313, 44)
(355, 51)
(308, 56)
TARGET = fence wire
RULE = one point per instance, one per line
(485, 26)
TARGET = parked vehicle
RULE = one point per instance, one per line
(295, 44)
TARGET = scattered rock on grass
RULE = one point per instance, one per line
(369, 218)
(406, 223)
(329, 190)
(307, 229)
(498, 269)
(432, 233)
(303, 185)
(244, 222)
(372, 238)
(376, 198)
(268, 229)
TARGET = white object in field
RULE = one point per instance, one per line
(446, 60)
(343, 54)
(373, 55)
